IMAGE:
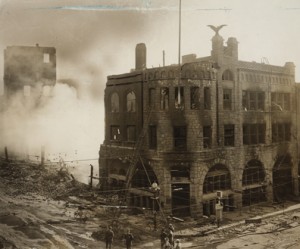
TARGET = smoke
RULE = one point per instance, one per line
(70, 128)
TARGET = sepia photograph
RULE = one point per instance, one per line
(149, 124)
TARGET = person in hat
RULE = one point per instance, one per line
(163, 236)
(109, 236)
(128, 239)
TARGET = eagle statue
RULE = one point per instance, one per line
(216, 29)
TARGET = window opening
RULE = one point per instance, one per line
(152, 137)
(227, 99)
(195, 98)
(180, 137)
(207, 137)
(229, 135)
(115, 104)
(131, 102)
(164, 98)
(179, 97)
(207, 102)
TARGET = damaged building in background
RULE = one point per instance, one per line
(29, 71)
(213, 127)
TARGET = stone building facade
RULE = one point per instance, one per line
(29, 71)
(213, 127)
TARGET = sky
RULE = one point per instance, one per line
(97, 38)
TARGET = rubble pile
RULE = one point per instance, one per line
(51, 181)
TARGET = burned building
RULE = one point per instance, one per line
(29, 71)
(213, 127)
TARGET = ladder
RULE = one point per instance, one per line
(136, 151)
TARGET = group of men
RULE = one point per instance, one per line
(109, 237)
(167, 238)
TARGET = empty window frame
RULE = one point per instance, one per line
(46, 58)
(114, 103)
(280, 101)
(164, 98)
(254, 134)
(217, 178)
(207, 137)
(207, 98)
(179, 97)
(152, 98)
(152, 137)
(195, 97)
(229, 135)
(227, 99)
(253, 100)
(131, 102)
(281, 132)
(227, 75)
(131, 133)
(115, 133)
(253, 173)
(180, 137)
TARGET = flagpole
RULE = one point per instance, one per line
(179, 54)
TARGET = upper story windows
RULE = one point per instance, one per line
(115, 133)
(281, 132)
(164, 98)
(254, 133)
(195, 98)
(131, 102)
(115, 102)
(229, 135)
(207, 98)
(253, 100)
(180, 137)
(152, 137)
(46, 58)
(280, 101)
(179, 97)
(207, 137)
(227, 75)
(227, 99)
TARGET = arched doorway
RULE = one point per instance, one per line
(180, 176)
(282, 178)
(254, 189)
(217, 179)
(140, 192)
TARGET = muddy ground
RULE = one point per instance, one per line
(46, 207)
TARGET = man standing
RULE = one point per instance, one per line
(163, 236)
(128, 239)
(109, 236)
(219, 212)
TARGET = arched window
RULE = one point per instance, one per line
(227, 75)
(131, 102)
(282, 178)
(253, 173)
(217, 178)
(115, 103)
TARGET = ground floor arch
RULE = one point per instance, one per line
(282, 178)
(141, 192)
(254, 183)
(217, 185)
